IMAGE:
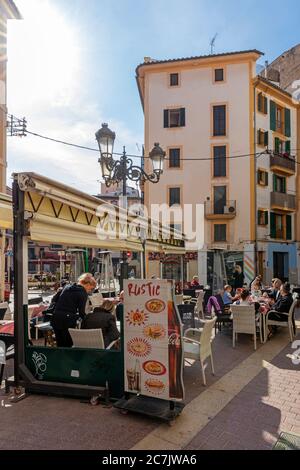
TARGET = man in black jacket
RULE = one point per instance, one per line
(70, 307)
(103, 317)
(282, 305)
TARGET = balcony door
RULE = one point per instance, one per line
(281, 265)
(219, 199)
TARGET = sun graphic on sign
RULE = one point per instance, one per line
(137, 317)
(138, 347)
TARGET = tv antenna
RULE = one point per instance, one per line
(212, 44)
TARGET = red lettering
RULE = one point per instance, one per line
(149, 289)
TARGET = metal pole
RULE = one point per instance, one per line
(124, 264)
(255, 187)
(19, 308)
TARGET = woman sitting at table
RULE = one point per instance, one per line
(244, 298)
(256, 288)
(103, 317)
(282, 305)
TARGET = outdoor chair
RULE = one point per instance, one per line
(186, 312)
(244, 321)
(6, 352)
(179, 299)
(289, 323)
(88, 339)
(197, 345)
(198, 303)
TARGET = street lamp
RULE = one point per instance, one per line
(116, 171)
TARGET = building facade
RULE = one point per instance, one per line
(204, 112)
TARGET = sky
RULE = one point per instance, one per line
(71, 66)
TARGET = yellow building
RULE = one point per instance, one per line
(212, 114)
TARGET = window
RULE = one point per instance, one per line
(262, 138)
(174, 196)
(174, 79)
(219, 120)
(219, 199)
(220, 233)
(280, 119)
(281, 146)
(262, 103)
(279, 184)
(262, 178)
(174, 158)
(219, 75)
(281, 226)
(262, 217)
(177, 227)
(219, 161)
(174, 117)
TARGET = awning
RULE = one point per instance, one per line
(58, 214)
(6, 215)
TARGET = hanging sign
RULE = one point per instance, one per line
(153, 347)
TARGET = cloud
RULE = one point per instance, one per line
(49, 85)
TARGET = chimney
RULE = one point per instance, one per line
(266, 68)
(147, 60)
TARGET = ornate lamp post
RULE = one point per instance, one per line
(116, 171)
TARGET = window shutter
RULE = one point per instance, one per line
(258, 137)
(259, 176)
(277, 143)
(272, 225)
(272, 116)
(288, 146)
(287, 122)
(283, 185)
(266, 217)
(266, 138)
(182, 117)
(259, 102)
(274, 183)
(265, 105)
(166, 118)
(258, 216)
(288, 227)
(266, 178)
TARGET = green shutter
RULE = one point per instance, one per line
(284, 185)
(267, 178)
(182, 117)
(266, 138)
(277, 143)
(288, 227)
(266, 217)
(166, 118)
(259, 102)
(258, 217)
(287, 122)
(265, 105)
(258, 137)
(274, 182)
(272, 225)
(272, 116)
(258, 176)
(288, 146)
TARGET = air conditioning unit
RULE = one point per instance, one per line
(229, 210)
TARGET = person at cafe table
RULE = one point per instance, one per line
(275, 293)
(282, 305)
(103, 317)
(195, 282)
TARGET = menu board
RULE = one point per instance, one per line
(152, 340)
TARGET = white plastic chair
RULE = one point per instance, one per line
(200, 349)
(288, 323)
(199, 305)
(243, 321)
(88, 339)
(179, 299)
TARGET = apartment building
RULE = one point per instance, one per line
(212, 114)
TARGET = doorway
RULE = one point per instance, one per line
(281, 265)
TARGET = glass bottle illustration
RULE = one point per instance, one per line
(137, 375)
(175, 353)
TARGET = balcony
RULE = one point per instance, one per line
(220, 211)
(283, 163)
(283, 201)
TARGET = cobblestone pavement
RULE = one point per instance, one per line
(246, 417)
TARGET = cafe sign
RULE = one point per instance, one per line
(153, 350)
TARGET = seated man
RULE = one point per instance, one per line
(282, 305)
(103, 317)
(120, 307)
